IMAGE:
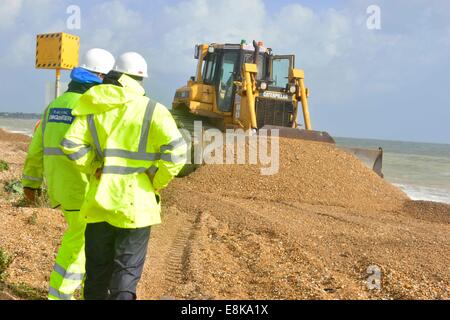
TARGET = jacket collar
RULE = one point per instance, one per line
(80, 88)
(110, 95)
(124, 81)
(131, 84)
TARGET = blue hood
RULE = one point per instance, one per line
(81, 75)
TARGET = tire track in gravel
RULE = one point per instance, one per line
(167, 266)
(178, 263)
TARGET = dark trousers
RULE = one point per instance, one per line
(114, 261)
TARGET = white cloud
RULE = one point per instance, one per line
(112, 25)
(348, 67)
(21, 52)
(17, 18)
(293, 29)
(202, 21)
(116, 15)
(9, 10)
(317, 40)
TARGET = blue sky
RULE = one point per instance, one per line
(390, 83)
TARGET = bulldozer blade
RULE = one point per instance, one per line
(294, 133)
(371, 158)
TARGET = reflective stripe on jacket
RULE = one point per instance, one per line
(127, 137)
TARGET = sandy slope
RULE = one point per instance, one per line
(219, 247)
(311, 233)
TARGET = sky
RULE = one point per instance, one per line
(387, 83)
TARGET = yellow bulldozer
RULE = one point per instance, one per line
(242, 86)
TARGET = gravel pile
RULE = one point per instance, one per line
(309, 172)
(312, 231)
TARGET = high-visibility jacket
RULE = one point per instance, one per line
(66, 185)
(127, 137)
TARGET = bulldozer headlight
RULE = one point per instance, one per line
(292, 89)
(263, 86)
(182, 95)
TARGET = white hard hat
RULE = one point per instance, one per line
(98, 60)
(132, 63)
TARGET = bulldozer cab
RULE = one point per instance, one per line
(219, 91)
(222, 68)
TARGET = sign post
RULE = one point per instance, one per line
(57, 83)
(58, 51)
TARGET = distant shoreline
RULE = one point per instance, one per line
(20, 115)
(23, 126)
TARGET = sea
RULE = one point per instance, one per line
(421, 170)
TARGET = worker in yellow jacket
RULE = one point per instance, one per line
(131, 148)
(66, 185)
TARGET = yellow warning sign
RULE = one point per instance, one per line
(57, 51)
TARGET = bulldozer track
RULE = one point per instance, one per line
(177, 261)
(177, 258)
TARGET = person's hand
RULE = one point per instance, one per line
(151, 176)
(98, 173)
(158, 197)
(30, 195)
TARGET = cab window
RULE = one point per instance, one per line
(209, 68)
(226, 88)
(261, 64)
(280, 72)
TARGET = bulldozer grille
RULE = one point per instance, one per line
(274, 112)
